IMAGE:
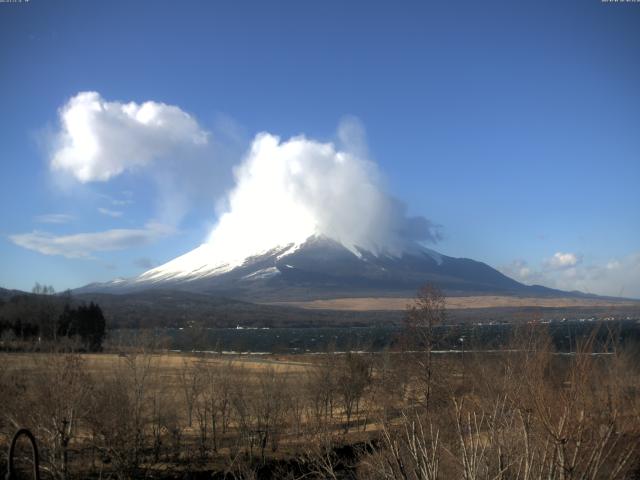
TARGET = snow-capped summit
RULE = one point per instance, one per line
(202, 262)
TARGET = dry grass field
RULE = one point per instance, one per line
(100, 364)
(145, 411)
(481, 301)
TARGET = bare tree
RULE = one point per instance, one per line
(425, 313)
(190, 379)
(215, 396)
(269, 405)
(321, 388)
(164, 425)
(120, 411)
(59, 402)
(46, 311)
(353, 378)
(408, 451)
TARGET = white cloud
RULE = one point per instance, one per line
(110, 213)
(118, 202)
(289, 190)
(143, 262)
(82, 245)
(613, 265)
(54, 218)
(520, 270)
(284, 191)
(563, 260)
(616, 277)
(121, 203)
(100, 139)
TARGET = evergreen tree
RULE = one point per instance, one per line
(86, 322)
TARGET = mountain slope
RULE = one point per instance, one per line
(6, 294)
(322, 268)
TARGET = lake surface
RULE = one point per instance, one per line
(565, 336)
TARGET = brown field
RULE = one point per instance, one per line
(102, 363)
(197, 411)
(480, 301)
(143, 413)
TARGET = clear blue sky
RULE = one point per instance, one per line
(514, 125)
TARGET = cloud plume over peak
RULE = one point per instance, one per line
(287, 191)
(100, 139)
(284, 191)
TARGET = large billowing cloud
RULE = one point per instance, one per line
(289, 190)
(100, 139)
(285, 190)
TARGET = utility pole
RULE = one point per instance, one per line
(461, 340)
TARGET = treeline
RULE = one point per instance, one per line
(43, 319)
(175, 309)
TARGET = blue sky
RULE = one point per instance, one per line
(513, 125)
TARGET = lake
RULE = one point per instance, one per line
(565, 336)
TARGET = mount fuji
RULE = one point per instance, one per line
(320, 267)
(309, 220)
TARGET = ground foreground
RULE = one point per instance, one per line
(523, 413)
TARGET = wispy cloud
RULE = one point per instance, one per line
(121, 203)
(126, 199)
(520, 270)
(143, 262)
(83, 245)
(54, 218)
(110, 213)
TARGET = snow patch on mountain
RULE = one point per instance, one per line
(262, 273)
(437, 257)
(209, 261)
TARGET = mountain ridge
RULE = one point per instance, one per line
(322, 268)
